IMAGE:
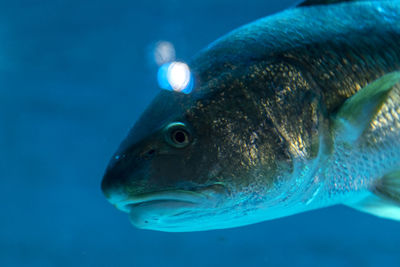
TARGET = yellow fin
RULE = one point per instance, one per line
(358, 111)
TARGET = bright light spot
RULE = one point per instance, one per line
(164, 52)
(178, 75)
(175, 76)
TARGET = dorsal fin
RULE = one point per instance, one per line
(324, 2)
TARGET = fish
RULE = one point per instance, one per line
(294, 112)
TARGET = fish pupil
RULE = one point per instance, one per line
(180, 137)
(177, 135)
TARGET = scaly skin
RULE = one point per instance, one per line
(261, 119)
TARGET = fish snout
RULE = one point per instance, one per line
(114, 178)
(126, 173)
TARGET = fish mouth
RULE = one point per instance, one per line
(167, 209)
(157, 198)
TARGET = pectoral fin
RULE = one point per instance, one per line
(358, 111)
(385, 198)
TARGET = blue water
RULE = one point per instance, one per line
(74, 76)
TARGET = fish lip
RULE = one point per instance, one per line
(183, 196)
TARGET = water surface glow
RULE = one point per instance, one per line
(164, 52)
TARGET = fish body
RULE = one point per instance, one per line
(293, 112)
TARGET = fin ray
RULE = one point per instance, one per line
(379, 207)
(384, 200)
(356, 114)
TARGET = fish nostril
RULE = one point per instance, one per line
(149, 153)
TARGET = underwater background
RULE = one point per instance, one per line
(74, 77)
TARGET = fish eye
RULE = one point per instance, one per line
(178, 135)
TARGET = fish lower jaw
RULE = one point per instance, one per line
(163, 198)
(159, 213)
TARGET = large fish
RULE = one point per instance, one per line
(290, 113)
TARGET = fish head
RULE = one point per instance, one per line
(197, 161)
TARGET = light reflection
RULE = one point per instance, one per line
(164, 52)
(175, 76)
